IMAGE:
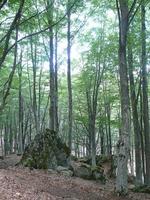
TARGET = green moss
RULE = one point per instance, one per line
(122, 193)
(46, 151)
(74, 158)
(142, 189)
(66, 149)
(98, 174)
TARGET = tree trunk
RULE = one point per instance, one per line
(39, 101)
(142, 136)
(51, 67)
(123, 143)
(20, 136)
(69, 76)
(108, 109)
(34, 103)
(145, 96)
(102, 140)
(93, 137)
(56, 83)
(136, 124)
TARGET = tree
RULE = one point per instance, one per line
(145, 95)
(6, 38)
(136, 122)
(69, 75)
(50, 7)
(125, 17)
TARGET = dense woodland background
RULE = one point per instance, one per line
(60, 68)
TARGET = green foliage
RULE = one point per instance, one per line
(142, 189)
(94, 34)
(13, 1)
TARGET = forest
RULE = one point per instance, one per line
(74, 99)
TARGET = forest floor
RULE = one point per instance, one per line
(25, 184)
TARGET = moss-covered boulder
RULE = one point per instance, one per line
(64, 171)
(105, 162)
(98, 174)
(81, 170)
(85, 171)
(46, 151)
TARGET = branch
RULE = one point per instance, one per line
(138, 93)
(13, 25)
(11, 75)
(34, 15)
(132, 8)
(24, 21)
(131, 17)
(5, 20)
(33, 34)
(118, 11)
(2, 4)
(83, 24)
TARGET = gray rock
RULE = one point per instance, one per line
(64, 171)
(98, 174)
(46, 151)
(61, 168)
(67, 173)
(81, 170)
(86, 171)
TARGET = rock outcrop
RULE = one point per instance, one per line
(46, 151)
(86, 171)
(107, 163)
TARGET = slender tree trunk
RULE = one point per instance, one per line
(102, 140)
(136, 124)
(30, 130)
(142, 136)
(92, 99)
(6, 143)
(20, 136)
(91, 128)
(15, 135)
(56, 82)
(93, 137)
(34, 103)
(50, 7)
(107, 137)
(1, 141)
(145, 96)
(109, 128)
(11, 137)
(52, 84)
(69, 75)
(88, 145)
(39, 102)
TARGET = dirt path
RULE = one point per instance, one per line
(24, 184)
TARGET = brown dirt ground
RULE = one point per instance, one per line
(18, 183)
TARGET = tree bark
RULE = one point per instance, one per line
(51, 65)
(123, 143)
(34, 103)
(145, 96)
(56, 82)
(136, 123)
(20, 134)
(69, 75)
